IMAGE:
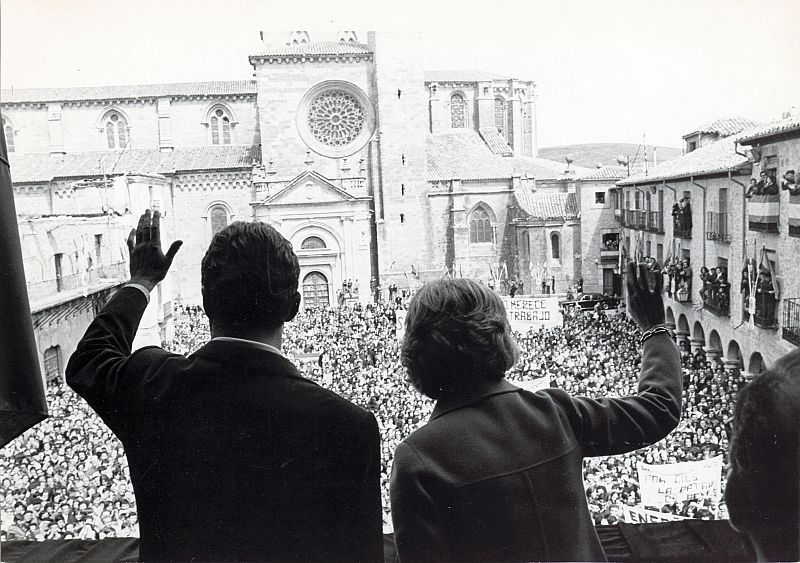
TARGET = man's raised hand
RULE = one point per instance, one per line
(645, 304)
(148, 263)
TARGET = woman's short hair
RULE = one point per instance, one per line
(250, 276)
(457, 333)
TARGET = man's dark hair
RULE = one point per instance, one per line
(250, 277)
(763, 490)
(457, 333)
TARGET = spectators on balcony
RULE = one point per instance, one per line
(766, 185)
(610, 244)
(682, 217)
(715, 290)
(789, 183)
(678, 280)
(765, 298)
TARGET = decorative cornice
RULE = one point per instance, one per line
(295, 59)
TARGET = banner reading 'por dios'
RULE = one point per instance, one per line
(676, 482)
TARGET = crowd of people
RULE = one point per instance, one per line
(68, 478)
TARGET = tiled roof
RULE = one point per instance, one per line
(463, 155)
(725, 126)
(495, 141)
(785, 125)
(138, 91)
(605, 173)
(539, 205)
(719, 156)
(462, 76)
(34, 168)
(544, 169)
(317, 48)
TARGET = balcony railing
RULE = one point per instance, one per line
(791, 320)
(764, 315)
(641, 219)
(718, 227)
(716, 298)
(654, 222)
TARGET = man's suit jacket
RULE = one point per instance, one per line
(497, 475)
(232, 454)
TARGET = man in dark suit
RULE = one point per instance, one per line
(233, 455)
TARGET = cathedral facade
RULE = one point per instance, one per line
(379, 172)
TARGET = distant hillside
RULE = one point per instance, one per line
(591, 154)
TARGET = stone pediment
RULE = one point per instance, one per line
(309, 187)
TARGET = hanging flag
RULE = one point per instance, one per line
(793, 212)
(22, 400)
(764, 213)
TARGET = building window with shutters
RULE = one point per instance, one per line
(458, 112)
(52, 365)
(115, 128)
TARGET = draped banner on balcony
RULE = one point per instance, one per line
(794, 215)
(764, 213)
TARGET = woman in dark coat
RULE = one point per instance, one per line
(496, 473)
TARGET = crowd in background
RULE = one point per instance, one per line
(68, 478)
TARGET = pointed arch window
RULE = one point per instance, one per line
(458, 112)
(480, 227)
(555, 245)
(500, 116)
(219, 219)
(116, 129)
(9, 132)
(220, 123)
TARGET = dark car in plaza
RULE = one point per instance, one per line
(587, 301)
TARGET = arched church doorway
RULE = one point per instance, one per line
(315, 290)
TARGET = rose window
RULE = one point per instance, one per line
(336, 118)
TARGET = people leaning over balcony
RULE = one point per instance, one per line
(789, 183)
(682, 216)
(766, 185)
(705, 283)
(765, 295)
(716, 289)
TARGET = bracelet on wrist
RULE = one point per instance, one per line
(652, 331)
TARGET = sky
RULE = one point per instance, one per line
(606, 71)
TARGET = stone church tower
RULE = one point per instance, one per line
(342, 170)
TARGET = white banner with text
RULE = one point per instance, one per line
(676, 482)
(533, 312)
